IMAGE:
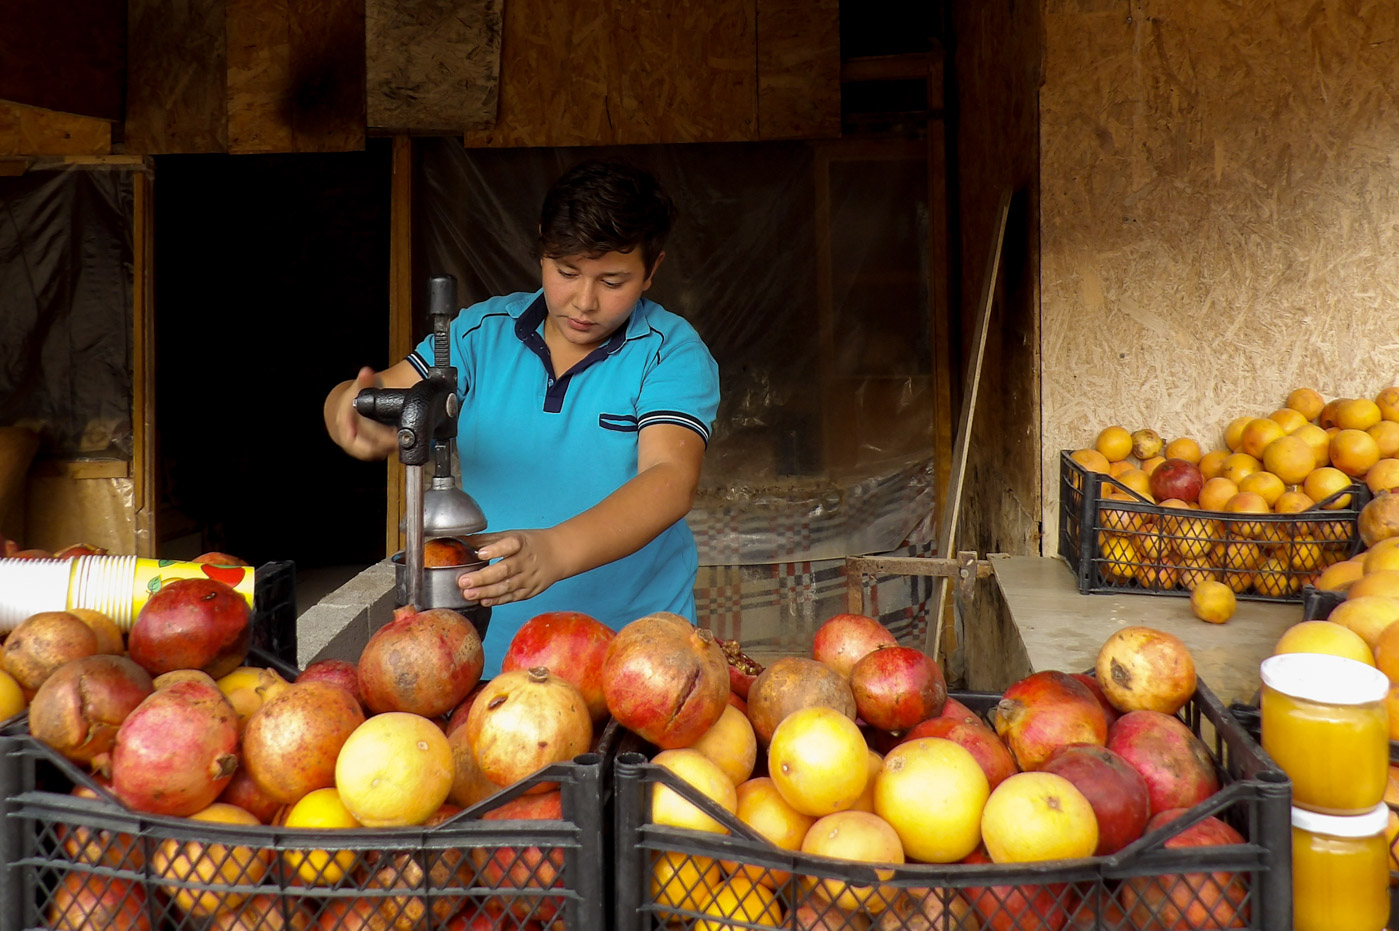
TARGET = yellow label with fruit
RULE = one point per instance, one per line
(152, 574)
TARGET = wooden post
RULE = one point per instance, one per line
(142, 363)
(400, 310)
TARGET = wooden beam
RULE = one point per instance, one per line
(176, 78)
(143, 463)
(400, 310)
(34, 131)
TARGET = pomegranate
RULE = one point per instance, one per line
(1379, 518)
(743, 669)
(360, 914)
(1018, 908)
(31, 553)
(73, 550)
(448, 873)
(569, 644)
(469, 784)
(922, 910)
(952, 708)
(980, 741)
(794, 682)
(41, 643)
(1141, 668)
(1044, 711)
(192, 624)
(98, 846)
(1188, 901)
(523, 721)
(263, 913)
(665, 679)
(896, 687)
(490, 916)
(176, 751)
(843, 641)
(738, 701)
(243, 792)
(215, 558)
(88, 902)
(336, 671)
(1116, 791)
(1176, 765)
(78, 709)
(291, 743)
(423, 662)
(448, 551)
(525, 867)
(185, 675)
(458, 716)
(824, 917)
(1176, 478)
(1091, 681)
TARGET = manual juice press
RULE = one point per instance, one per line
(426, 418)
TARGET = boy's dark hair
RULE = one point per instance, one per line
(602, 206)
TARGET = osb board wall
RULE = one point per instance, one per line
(432, 65)
(175, 77)
(31, 131)
(595, 72)
(1220, 212)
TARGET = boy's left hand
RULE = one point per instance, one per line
(523, 564)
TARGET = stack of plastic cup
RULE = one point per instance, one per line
(1324, 723)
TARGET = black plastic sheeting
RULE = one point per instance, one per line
(65, 309)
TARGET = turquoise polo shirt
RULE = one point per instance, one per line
(537, 448)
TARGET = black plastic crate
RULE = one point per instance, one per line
(1127, 545)
(1255, 799)
(1317, 604)
(547, 871)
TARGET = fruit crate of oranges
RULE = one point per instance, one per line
(728, 876)
(1117, 540)
(529, 857)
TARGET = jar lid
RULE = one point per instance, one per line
(1373, 822)
(1321, 677)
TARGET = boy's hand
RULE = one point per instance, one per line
(358, 435)
(525, 565)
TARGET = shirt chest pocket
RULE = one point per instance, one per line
(621, 423)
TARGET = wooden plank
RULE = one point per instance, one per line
(327, 76)
(81, 468)
(947, 527)
(798, 45)
(32, 131)
(945, 356)
(68, 56)
(143, 459)
(176, 74)
(400, 311)
(259, 104)
(432, 66)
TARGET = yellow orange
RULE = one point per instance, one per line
(1035, 816)
(1238, 466)
(1380, 582)
(1383, 475)
(1122, 465)
(1091, 460)
(1140, 482)
(1380, 559)
(12, 700)
(1248, 502)
(1215, 492)
(1211, 462)
(1324, 482)
(1258, 433)
(1191, 576)
(731, 743)
(860, 837)
(1387, 652)
(1386, 437)
(1290, 459)
(1275, 577)
(1241, 556)
(817, 758)
(866, 800)
(762, 808)
(320, 808)
(1234, 433)
(1353, 452)
(1318, 440)
(1357, 414)
(1388, 403)
(1289, 419)
(1324, 637)
(683, 881)
(1265, 484)
(394, 770)
(702, 774)
(1213, 602)
(1340, 576)
(1292, 502)
(745, 903)
(216, 867)
(1115, 443)
(1149, 465)
(1327, 418)
(1307, 401)
(1306, 555)
(1183, 448)
(1367, 615)
(1119, 557)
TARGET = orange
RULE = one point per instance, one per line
(215, 867)
(1386, 437)
(1213, 602)
(706, 777)
(1183, 448)
(1354, 451)
(1307, 401)
(1368, 616)
(1241, 556)
(1034, 816)
(1234, 433)
(1325, 637)
(683, 881)
(1340, 576)
(1191, 576)
(1290, 459)
(859, 837)
(1265, 484)
(1380, 558)
(1388, 403)
(12, 696)
(1387, 652)
(1215, 492)
(1319, 441)
(1258, 433)
(1140, 482)
(762, 808)
(1383, 475)
(1292, 502)
(1119, 557)
(747, 904)
(394, 770)
(1211, 462)
(1380, 582)
(731, 743)
(818, 760)
(1357, 414)
(1115, 443)
(1306, 555)
(1117, 468)
(1275, 578)
(1290, 421)
(1323, 483)
(1149, 465)
(1091, 460)
(1248, 502)
(1327, 418)
(1237, 466)
(320, 808)
(932, 791)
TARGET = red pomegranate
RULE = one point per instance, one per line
(89, 902)
(1176, 478)
(1177, 766)
(794, 682)
(525, 720)
(490, 915)
(263, 913)
(423, 662)
(1111, 713)
(291, 742)
(569, 644)
(99, 846)
(176, 751)
(1188, 901)
(743, 669)
(191, 624)
(843, 641)
(1116, 791)
(1045, 711)
(78, 709)
(458, 716)
(896, 687)
(448, 873)
(1144, 669)
(1018, 908)
(980, 741)
(510, 868)
(43, 642)
(665, 679)
(244, 792)
(336, 671)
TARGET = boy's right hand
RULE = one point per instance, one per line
(356, 434)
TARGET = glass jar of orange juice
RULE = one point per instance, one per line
(1324, 723)
(1340, 871)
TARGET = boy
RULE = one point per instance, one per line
(585, 417)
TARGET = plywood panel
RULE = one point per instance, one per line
(1220, 212)
(432, 66)
(798, 45)
(68, 56)
(259, 76)
(176, 63)
(32, 131)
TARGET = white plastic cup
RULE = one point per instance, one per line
(29, 586)
(104, 583)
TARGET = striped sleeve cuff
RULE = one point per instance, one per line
(419, 364)
(680, 418)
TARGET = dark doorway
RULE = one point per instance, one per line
(271, 285)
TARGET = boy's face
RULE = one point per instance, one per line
(588, 298)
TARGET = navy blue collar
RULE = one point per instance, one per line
(527, 331)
